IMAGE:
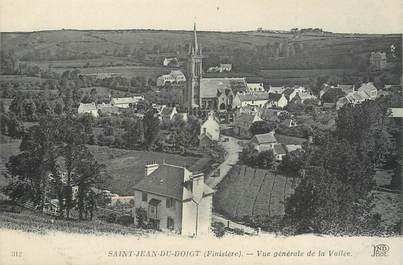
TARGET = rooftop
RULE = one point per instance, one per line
(168, 181)
(209, 87)
(265, 138)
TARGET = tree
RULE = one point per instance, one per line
(333, 95)
(151, 125)
(292, 163)
(87, 174)
(332, 197)
(261, 127)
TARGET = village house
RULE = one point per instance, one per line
(210, 128)
(223, 67)
(346, 89)
(267, 142)
(174, 199)
(90, 108)
(291, 143)
(258, 99)
(168, 113)
(276, 101)
(277, 89)
(263, 142)
(175, 76)
(289, 93)
(243, 122)
(378, 59)
(218, 93)
(126, 102)
(255, 87)
(279, 152)
(289, 123)
(365, 92)
(369, 89)
(173, 61)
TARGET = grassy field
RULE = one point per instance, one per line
(30, 221)
(127, 166)
(298, 73)
(124, 166)
(253, 192)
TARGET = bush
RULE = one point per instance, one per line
(218, 229)
(125, 220)
(141, 215)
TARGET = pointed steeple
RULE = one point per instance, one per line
(196, 49)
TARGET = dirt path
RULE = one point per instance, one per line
(233, 149)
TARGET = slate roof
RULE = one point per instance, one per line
(367, 88)
(168, 181)
(84, 107)
(245, 118)
(253, 96)
(209, 87)
(279, 149)
(287, 92)
(287, 140)
(274, 96)
(265, 138)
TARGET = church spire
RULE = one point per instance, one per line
(196, 49)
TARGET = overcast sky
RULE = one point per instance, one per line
(361, 16)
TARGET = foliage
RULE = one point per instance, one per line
(261, 127)
(151, 124)
(264, 159)
(292, 163)
(218, 229)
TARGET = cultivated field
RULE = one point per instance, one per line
(253, 192)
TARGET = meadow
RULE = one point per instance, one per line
(30, 221)
(126, 167)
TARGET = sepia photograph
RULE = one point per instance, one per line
(210, 132)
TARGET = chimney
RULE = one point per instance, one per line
(197, 187)
(150, 168)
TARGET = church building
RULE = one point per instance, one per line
(208, 93)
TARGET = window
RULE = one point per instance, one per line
(170, 223)
(170, 203)
(144, 197)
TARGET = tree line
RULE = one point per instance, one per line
(55, 162)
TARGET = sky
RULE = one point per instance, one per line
(358, 16)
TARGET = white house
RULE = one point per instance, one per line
(243, 122)
(223, 67)
(258, 99)
(170, 61)
(277, 89)
(276, 101)
(263, 142)
(255, 87)
(175, 76)
(369, 89)
(88, 108)
(174, 199)
(210, 128)
(365, 92)
(126, 102)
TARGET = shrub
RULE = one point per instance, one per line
(218, 229)
(125, 220)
